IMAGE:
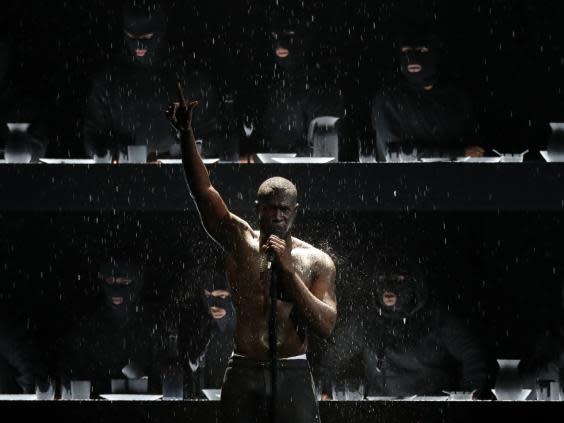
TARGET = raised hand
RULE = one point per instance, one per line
(180, 112)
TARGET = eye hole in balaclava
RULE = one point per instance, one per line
(144, 30)
(122, 282)
(418, 57)
(218, 302)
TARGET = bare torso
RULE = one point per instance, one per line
(244, 267)
(307, 273)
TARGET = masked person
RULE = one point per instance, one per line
(127, 99)
(118, 340)
(421, 114)
(407, 344)
(23, 131)
(291, 91)
(20, 361)
(208, 346)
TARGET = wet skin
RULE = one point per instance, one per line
(305, 273)
(253, 307)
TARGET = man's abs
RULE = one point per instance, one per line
(252, 337)
(251, 296)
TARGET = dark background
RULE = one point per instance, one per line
(498, 271)
(507, 54)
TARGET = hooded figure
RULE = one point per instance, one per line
(144, 28)
(127, 101)
(290, 47)
(407, 344)
(20, 361)
(207, 339)
(289, 92)
(420, 114)
(118, 340)
(401, 290)
(419, 58)
(122, 282)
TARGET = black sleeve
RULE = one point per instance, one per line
(195, 330)
(388, 132)
(469, 352)
(382, 125)
(71, 353)
(470, 131)
(345, 349)
(467, 132)
(545, 356)
(97, 120)
(21, 355)
(390, 128)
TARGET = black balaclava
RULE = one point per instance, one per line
(406, 281)
(291, 33)
(131, 293)
(429, 61)
(141, 17)
(219, 281)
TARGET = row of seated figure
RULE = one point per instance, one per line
(401, 342)
(417, 111)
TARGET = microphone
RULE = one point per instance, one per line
(270, 254)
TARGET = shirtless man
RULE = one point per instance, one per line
(306, 277)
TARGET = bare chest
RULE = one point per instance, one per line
(248, 268)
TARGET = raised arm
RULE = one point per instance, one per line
(216, 217)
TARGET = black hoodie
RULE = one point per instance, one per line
(128, 99)
(422, 350)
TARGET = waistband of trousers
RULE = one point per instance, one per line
(247, 362)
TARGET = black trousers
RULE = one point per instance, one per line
(246, 392)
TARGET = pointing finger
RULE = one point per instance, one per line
(180, 94)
